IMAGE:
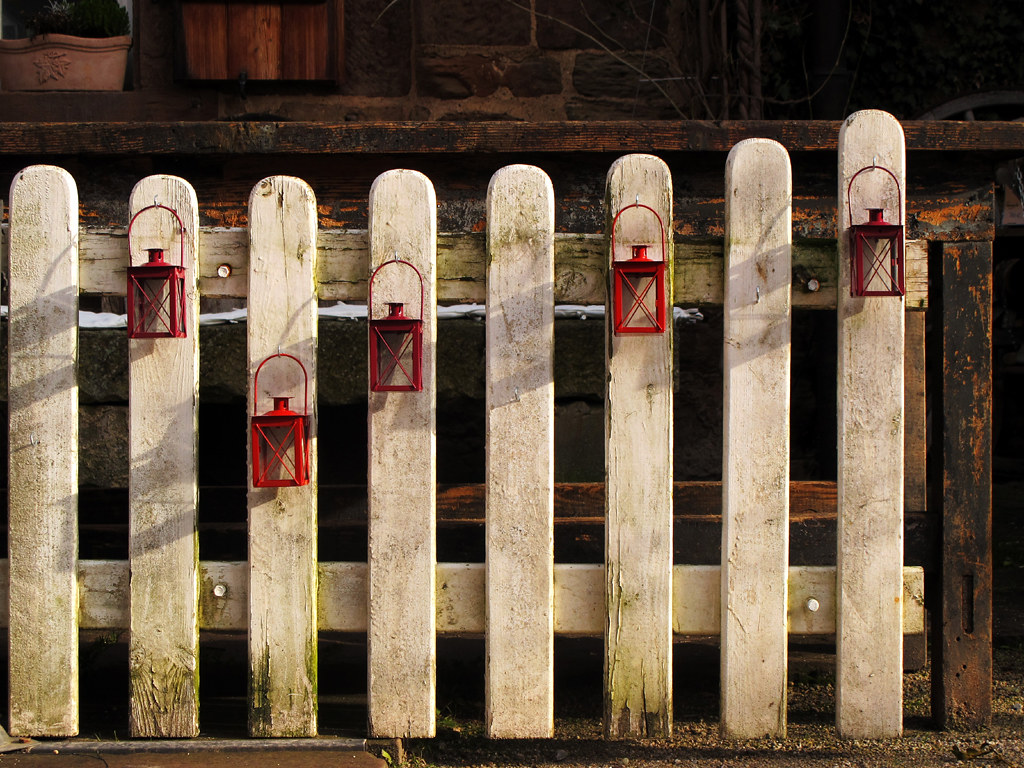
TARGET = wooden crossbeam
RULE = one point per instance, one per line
(304, 138)
(579, 267)
(579, 598)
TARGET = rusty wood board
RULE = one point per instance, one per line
(962, 681)
(915, 416)
(945, 200)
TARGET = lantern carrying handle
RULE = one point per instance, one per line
(396, 260)
(256, 383)
(874, 166)
(638, 204)
(174, 213)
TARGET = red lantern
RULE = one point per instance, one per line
(156, 291)
(876, 249)
(280, 438)
(638, 284)
(396, 342)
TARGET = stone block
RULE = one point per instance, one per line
(472, 22)
(378, 49)
(533, 76)
(643, 108)
(604, 76)
(459, 77)
(615, 23)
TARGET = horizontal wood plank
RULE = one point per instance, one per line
(516, 138)
(579, 591)
(579, 267)
(463, 504)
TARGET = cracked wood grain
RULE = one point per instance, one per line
(520, 454)
(282, 521)
(755, 454)
(402, 469)
(638, 531)
(871, 350)
(163, 385)
(43, 452)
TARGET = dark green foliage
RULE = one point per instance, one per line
(921, 54)
(904, 56)
(83, 18)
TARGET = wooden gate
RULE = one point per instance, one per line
(638, 599)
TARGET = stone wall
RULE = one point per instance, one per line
(497, 59)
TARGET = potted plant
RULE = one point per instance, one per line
(76, 45)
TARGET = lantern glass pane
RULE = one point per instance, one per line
(396, 363)
(280, 460)
(153, 300)
(639, 296)
(878, 255)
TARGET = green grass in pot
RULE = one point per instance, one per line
(82, 18)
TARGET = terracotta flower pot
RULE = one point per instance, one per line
(55, 62)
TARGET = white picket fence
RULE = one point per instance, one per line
(402, 598)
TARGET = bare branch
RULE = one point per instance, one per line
(604, 48)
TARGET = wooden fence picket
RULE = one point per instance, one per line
(163, 388)
(520, 501)
(755, 453)
(43, 452)
(869, 640)
(402, 469)
(282, 317)
(638, 460)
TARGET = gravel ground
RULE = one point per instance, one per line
(811, 740)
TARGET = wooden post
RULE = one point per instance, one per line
(163, 387)
(402, 471)
(43, 452)
(282, 521)
(755, 455)
(638, 459)
(962, 660)
(520, 495)
(869, 631)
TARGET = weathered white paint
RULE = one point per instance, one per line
(520, 435)
(579, 598)
(869, 642)
(755, 445)
(638, 460)
(402, 470)
(282, 521)
(163, 389)
(43, 459)
(579, 267)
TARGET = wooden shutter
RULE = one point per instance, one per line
(289, 40)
